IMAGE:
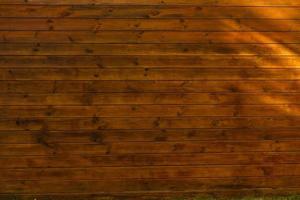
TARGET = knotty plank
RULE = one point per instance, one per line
(157, 2)
(150, 98)
(149, 111)
(149, 74)
(151, 61)
(247, 86)
(154, 172)
(160, 185)
(203, 147)
(156, 195)
(169, 135)
(148, 49)
(147, 37)
(83, 24)
(99, 123)
(192, 11)
(172, 159)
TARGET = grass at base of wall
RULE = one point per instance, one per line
(293, 197)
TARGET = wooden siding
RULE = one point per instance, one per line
(149, 99)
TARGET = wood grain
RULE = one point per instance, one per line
(146, 86)
(174, 24)
(149, 99)
(151, 61)
(71, 49)
(149, 111)
(157, 2)
(134, 37)
(148, 11)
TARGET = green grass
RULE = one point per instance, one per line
(294, 197)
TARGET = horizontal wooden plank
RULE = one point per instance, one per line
(100, 11)
(208, 193)
(161, 172)
(244, 86)
(158, 195)
(110, 186)
(97, 123)
(128, 37)
(173, 159)
(45, 149)
(78, 24)
(148, 49)
(151, 61)
(147, 98)
(150, 98)
(157, 2)
(107, 136)
(149, 74)
(149, 111)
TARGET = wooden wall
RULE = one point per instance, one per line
(149, 98)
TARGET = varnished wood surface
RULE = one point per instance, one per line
(149, 99)
(156, 2)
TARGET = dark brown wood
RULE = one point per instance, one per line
(204, 147)
(144, 186)
(172, 159)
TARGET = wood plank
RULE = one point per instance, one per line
(151, 61)
(157, 2)
(101, 123)
(160, 185)
(244, 86)
(83, 24)
(150, 98)
(168, 135)
(203, 147)
(229, 193)
(192, 11)
(149, 74)
(149, 111)
(127, 37)
(172, 159)
(148, 49)
(161, 172)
